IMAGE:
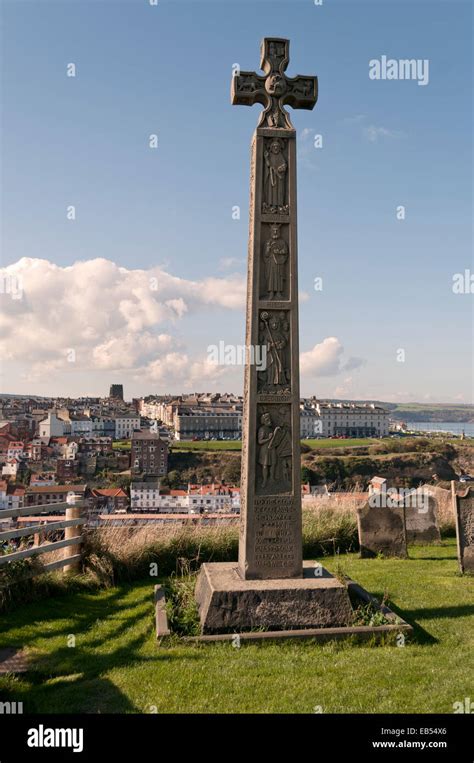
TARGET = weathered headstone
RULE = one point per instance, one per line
(382, 530)
(269, 587)
(463, 505)
(421, 517)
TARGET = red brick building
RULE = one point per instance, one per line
(149, 455)
(67, 468)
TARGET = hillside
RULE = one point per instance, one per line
(405, 463)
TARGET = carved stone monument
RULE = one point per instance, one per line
(271, 587)
(463, 505)
(271, 543)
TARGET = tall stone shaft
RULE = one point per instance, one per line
(270, 545)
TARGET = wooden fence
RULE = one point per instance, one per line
(73, 536)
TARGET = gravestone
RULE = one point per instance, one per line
(421, 517)
(463, 505)
(270, 586)
(382, 530)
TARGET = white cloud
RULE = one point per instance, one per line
(344, 389)
(355, 119)
(373, 133)
(177, 368)
(326, 359)
(308, 154)
(225, 263)
(112, 317)
(370, 131)
(305, 133)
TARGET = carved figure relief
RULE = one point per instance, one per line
(274, 335)
(275, 177)
(275, 265)
(247, 84)
(276, 52)
(302, 87)
(274, 450)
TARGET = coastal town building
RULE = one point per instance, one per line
(116, 391)
(51, 494)
(107, 500)
(343, 419)
(11, 496)
(149, 454)
(126, 425)
(195, 499)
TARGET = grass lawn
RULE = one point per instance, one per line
(122, 445)
(185, 445)
(353, 442)
(116, 665)
(326, 442)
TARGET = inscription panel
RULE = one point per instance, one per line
(276, 397)
(276, 535)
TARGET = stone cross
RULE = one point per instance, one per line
(270, 545)
(275, 89)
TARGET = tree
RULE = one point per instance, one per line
(174, 480)
(307, 475)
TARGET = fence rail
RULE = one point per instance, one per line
(43, 508)
(33, 529)
(46, 548)
(73, 537)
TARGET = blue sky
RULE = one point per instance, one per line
(141, 69)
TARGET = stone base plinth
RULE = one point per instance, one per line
(229, 604)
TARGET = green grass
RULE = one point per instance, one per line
(122, 445)
(116, 665)
(326, 442)
(185, 445)
(353, 442)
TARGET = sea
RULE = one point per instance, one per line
(455, 427)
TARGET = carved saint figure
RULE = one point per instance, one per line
(275, 257)
(275, 174)
(276, 342)
(267, 455)
(284, 452)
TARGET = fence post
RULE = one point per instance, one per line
(74, 511)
